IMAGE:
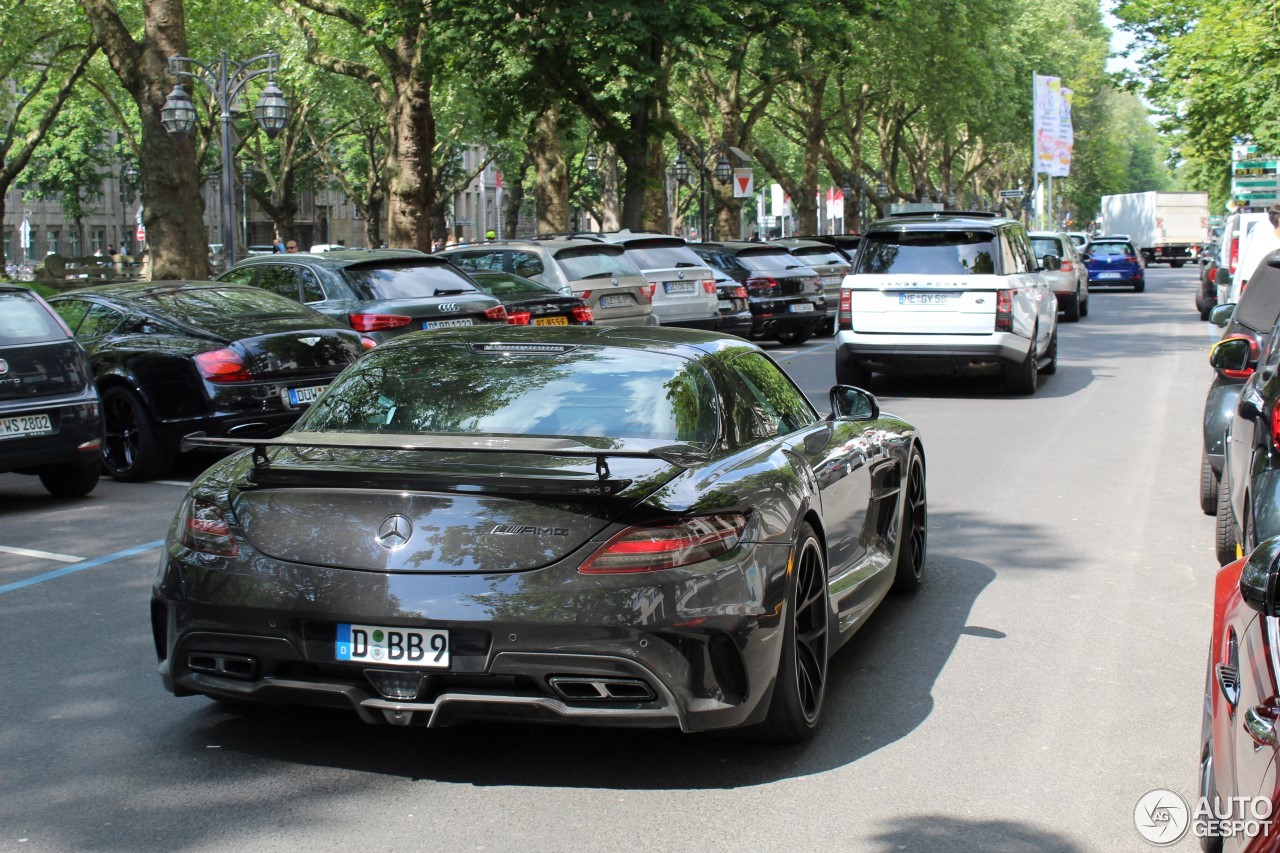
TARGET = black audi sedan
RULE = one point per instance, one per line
(379, 292)
(176, 357)
(50, 419)
(616, 526)
(785, 295)
(531, 303)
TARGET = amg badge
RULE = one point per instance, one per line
(517, 529)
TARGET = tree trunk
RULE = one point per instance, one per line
(551, 173)
(412, 186)
(655, 202)
(513, 198)
(610, 211)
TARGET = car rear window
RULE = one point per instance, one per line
(589, 391)
(928, 253)
(814, 255)
(595, 262)
(1111, 250)
(507, 286)
(407, 280)
(215, 307)
(779, 261)
(23, 320)
(1047, 246)
(1259, 306)
(663, 257)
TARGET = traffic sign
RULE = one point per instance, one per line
(142, 233)
(1012, 193)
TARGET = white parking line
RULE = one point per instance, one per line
(44, 555)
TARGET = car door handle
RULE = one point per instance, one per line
(1260, 723)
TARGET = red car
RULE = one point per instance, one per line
(1239, 786)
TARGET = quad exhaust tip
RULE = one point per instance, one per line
(588, 689)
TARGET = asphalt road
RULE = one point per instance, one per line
(1048, 675)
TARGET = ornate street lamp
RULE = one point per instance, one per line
(593, 162)
(724, 171)
(882, 190)
(681, 169)
(227, 79)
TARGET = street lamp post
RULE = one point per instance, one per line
(226, 79)
(246, 175)
(128, 178)
(682, 172)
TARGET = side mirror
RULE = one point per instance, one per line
(1222, 277)
(1220, 315)
(1261, 576)
(853, 404)
(1235, 357)
(1050, 263)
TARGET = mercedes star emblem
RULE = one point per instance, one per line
(394, 532)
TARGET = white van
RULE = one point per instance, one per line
(1235, 232)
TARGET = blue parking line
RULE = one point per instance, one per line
(80, 566)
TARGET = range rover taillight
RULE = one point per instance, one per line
(845, 317)
(1004, 310)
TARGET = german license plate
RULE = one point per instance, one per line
(923, 298)
(678, 286)
(725, 303)
(620, 301)
(305, 396)
(551, 321)
(801, 308)
(832, 280)
(1110, 275)
(448, 324)
(417, 647)
(25, 425)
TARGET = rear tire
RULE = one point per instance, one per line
(131, 451)
(853, 372)
(1140, 286)
(794, 336)
(1226, 542)
(801, 683)
(70, 481)
(1071, 311)
(1208, 486)
(913, 538)
(1021, 378)
(1051, 367)
(1177, 265)
(1084, 307)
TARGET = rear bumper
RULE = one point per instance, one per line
(689, 649)
(78, 422)
(932, 353)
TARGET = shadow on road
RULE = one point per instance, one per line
(929, 833)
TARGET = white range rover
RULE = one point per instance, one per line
(949, 293)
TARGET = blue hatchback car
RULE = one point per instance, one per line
(1114, 261)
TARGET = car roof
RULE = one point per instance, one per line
(691, 343)
(802, 243)
(958, 220)
(343, 258)
(552, 243)
(743, 246)
(143, 289)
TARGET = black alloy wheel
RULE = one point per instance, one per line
(801, 683)
(914, 538)
(130, 449)
(1226, 542)
(1208, 486)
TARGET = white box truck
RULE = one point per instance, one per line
(1165, 227)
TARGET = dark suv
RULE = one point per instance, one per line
(50, 420)
(380, 292)
(785, 294)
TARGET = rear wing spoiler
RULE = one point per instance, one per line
(682, 455)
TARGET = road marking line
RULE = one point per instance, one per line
(44, 555)
(81, 566)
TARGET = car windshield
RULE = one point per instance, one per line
(462, 389)
(410, 279)
(595, 262)
(1111, 250)
(505, 285)
(814, 255)
(1047, 246)
(927, 253)
(779, 261)
(663, 257)
(210, 307)
(23, 320)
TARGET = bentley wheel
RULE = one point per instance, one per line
(130, 449)
(914, 538)
(801, 683)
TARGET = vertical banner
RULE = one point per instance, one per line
(1066, 134)
(1046, 118)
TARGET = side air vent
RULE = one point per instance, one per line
(228, 666)
(727, 665)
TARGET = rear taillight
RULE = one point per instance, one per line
(1130, 259)
(1067, 266)
(497, 314)
(846, 310)
(1234, 256)
(368, 343)
(1275, 427)
(740, 292)
(222, 365)
(518, 318)
(651, 547)
(761, 286)
(377, 322)
(583, 314)
(202, 527)
(709, 285)
(647, 292)
(1004, 310)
